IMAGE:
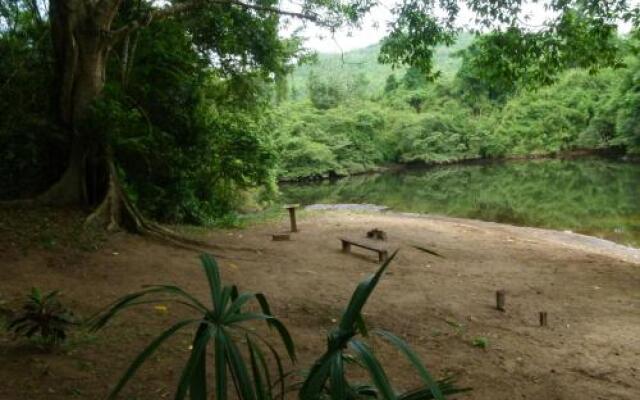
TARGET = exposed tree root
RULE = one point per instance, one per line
(117, 212)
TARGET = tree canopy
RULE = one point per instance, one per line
(166, 106)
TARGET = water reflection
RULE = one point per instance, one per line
(596, 196)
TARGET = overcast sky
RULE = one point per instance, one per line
(374, 28)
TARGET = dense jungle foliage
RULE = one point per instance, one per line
(195, 141)
(355, 114)
(201, 121)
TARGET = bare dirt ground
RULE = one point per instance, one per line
(590, 350)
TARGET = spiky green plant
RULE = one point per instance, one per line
(222, 326)
(327, 377)
(44, 316)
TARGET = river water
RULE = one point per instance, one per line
(595, 196)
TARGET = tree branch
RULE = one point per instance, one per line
(162, 13)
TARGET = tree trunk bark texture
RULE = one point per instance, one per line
(79, 30)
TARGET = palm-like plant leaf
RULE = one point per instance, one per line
(328, 377)
(146, 353)
(337, 378)
(350, 322)
(192, 380)
(373, 366)
(415, 361)
(215, 324)
(361, 295)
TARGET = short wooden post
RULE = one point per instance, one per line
(292, 216)
(346, 246)
(500, 299)
(543, 318)
(382, 256)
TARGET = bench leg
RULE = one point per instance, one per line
(382, 256)
(346, 247)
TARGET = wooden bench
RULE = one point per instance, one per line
(383, 253)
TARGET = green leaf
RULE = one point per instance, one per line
(146, 353)
(275, 323)
(212, 272)
(198, 384)
(237, 304)
(361, 325)
(101, 318)
(172, 289)
(276, 356)
(257, 368)
(337, 378)
(375, 370)
(361, 295)
(415, 361)
(284, 336)
(224, 300)
(191, 377)
(317, 377)
(239, 370)
(220, 366)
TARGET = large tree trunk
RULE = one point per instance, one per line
(81, 48)
(80, 32)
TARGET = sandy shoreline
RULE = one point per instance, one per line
(569, 239)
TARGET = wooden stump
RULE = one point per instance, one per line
(543, 318)
(500, 300)
(292, 215)
(346, 246)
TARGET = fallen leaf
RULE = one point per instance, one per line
(161, 308)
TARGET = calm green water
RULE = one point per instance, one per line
(595, 196)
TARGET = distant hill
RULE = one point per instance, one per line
(349, 65)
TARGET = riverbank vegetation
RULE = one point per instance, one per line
(189, 122)
(354, 114)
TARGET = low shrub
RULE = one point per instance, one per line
(43, 318)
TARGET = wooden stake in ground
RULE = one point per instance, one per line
(292, 215)
(543, 318)
(500, 299)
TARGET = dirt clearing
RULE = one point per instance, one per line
(441, 305)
